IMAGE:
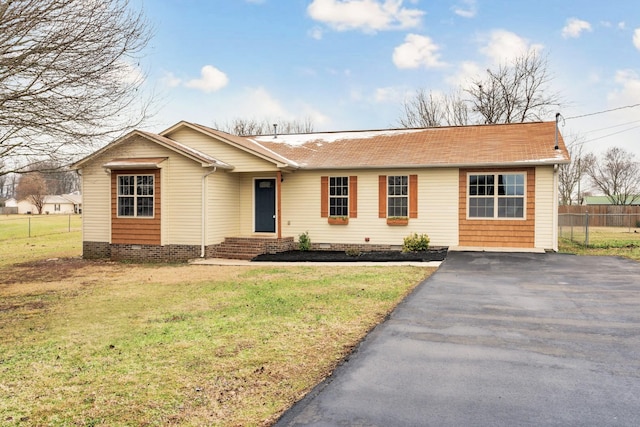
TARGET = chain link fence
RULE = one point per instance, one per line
(25, 226)
(598, 228)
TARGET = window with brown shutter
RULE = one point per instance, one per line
(339, 196)
(324, 196)
(398, 196)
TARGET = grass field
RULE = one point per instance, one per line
(620, 241)
(113, 344)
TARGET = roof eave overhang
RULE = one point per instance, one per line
(441, 165)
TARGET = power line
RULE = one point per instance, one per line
(606, 136)
(611, 127)
(602, 112)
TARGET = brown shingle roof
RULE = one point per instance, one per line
(481, 145)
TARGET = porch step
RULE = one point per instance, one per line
(246, 248)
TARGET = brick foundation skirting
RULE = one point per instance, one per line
(242, 248)
(361, 247)
(238, 248)
(96, 250)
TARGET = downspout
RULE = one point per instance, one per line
(279, 203)
(204, 211)
(555, 207)
(555, 188)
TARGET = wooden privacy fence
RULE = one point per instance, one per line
(600, 216)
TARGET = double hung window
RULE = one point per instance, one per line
(496, 195)
(397, 196)
(135, 195)
(339, 196)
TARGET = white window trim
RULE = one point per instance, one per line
(135, 197)
(347, 197)
(496, 196)
(407, 196)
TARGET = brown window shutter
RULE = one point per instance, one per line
(324, 196)
(353, 197)
(382, 196)
(413, 196)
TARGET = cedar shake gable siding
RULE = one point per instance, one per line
(136, 230)
(498, 232)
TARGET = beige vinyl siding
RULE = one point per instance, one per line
(238, 158)
(545, 213)
(437, 208)
(223, 206)
(183, 211)
(96, 203)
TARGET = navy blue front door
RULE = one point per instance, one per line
(265, 205)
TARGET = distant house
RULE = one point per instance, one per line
(53, 204)
(9, 206)
(604, 200)
(193, 191)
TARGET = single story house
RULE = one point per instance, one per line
(192, 191)
(52, 204)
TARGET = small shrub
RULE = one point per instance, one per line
(415, 243)
(304, 241)
(352, 252)
(638, 223)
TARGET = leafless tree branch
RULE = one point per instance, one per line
(616, 175)
(68, 76)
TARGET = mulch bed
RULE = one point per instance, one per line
(341, 256)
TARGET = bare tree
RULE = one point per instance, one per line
(248, 127)
(570, 175)
(427, 109)
(32, 187)
(68, 76)
(616, 175)
(514, 92)
(59, 179)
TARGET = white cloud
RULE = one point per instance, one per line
(316, 33)
(391, 95)
(417, 51)
(468, 9)
(503, 46)
(211, 79)
(574, 28)
(366, 15)
(622, 25)
(467, 72)
(628, 92)
(636, 38)
(259, 102)
(170, 80)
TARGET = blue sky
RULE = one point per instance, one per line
(349, 64)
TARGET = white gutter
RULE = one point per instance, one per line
(204, 211)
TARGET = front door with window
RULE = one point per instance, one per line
(265, 205)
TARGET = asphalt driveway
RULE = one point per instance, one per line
(497, 340)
